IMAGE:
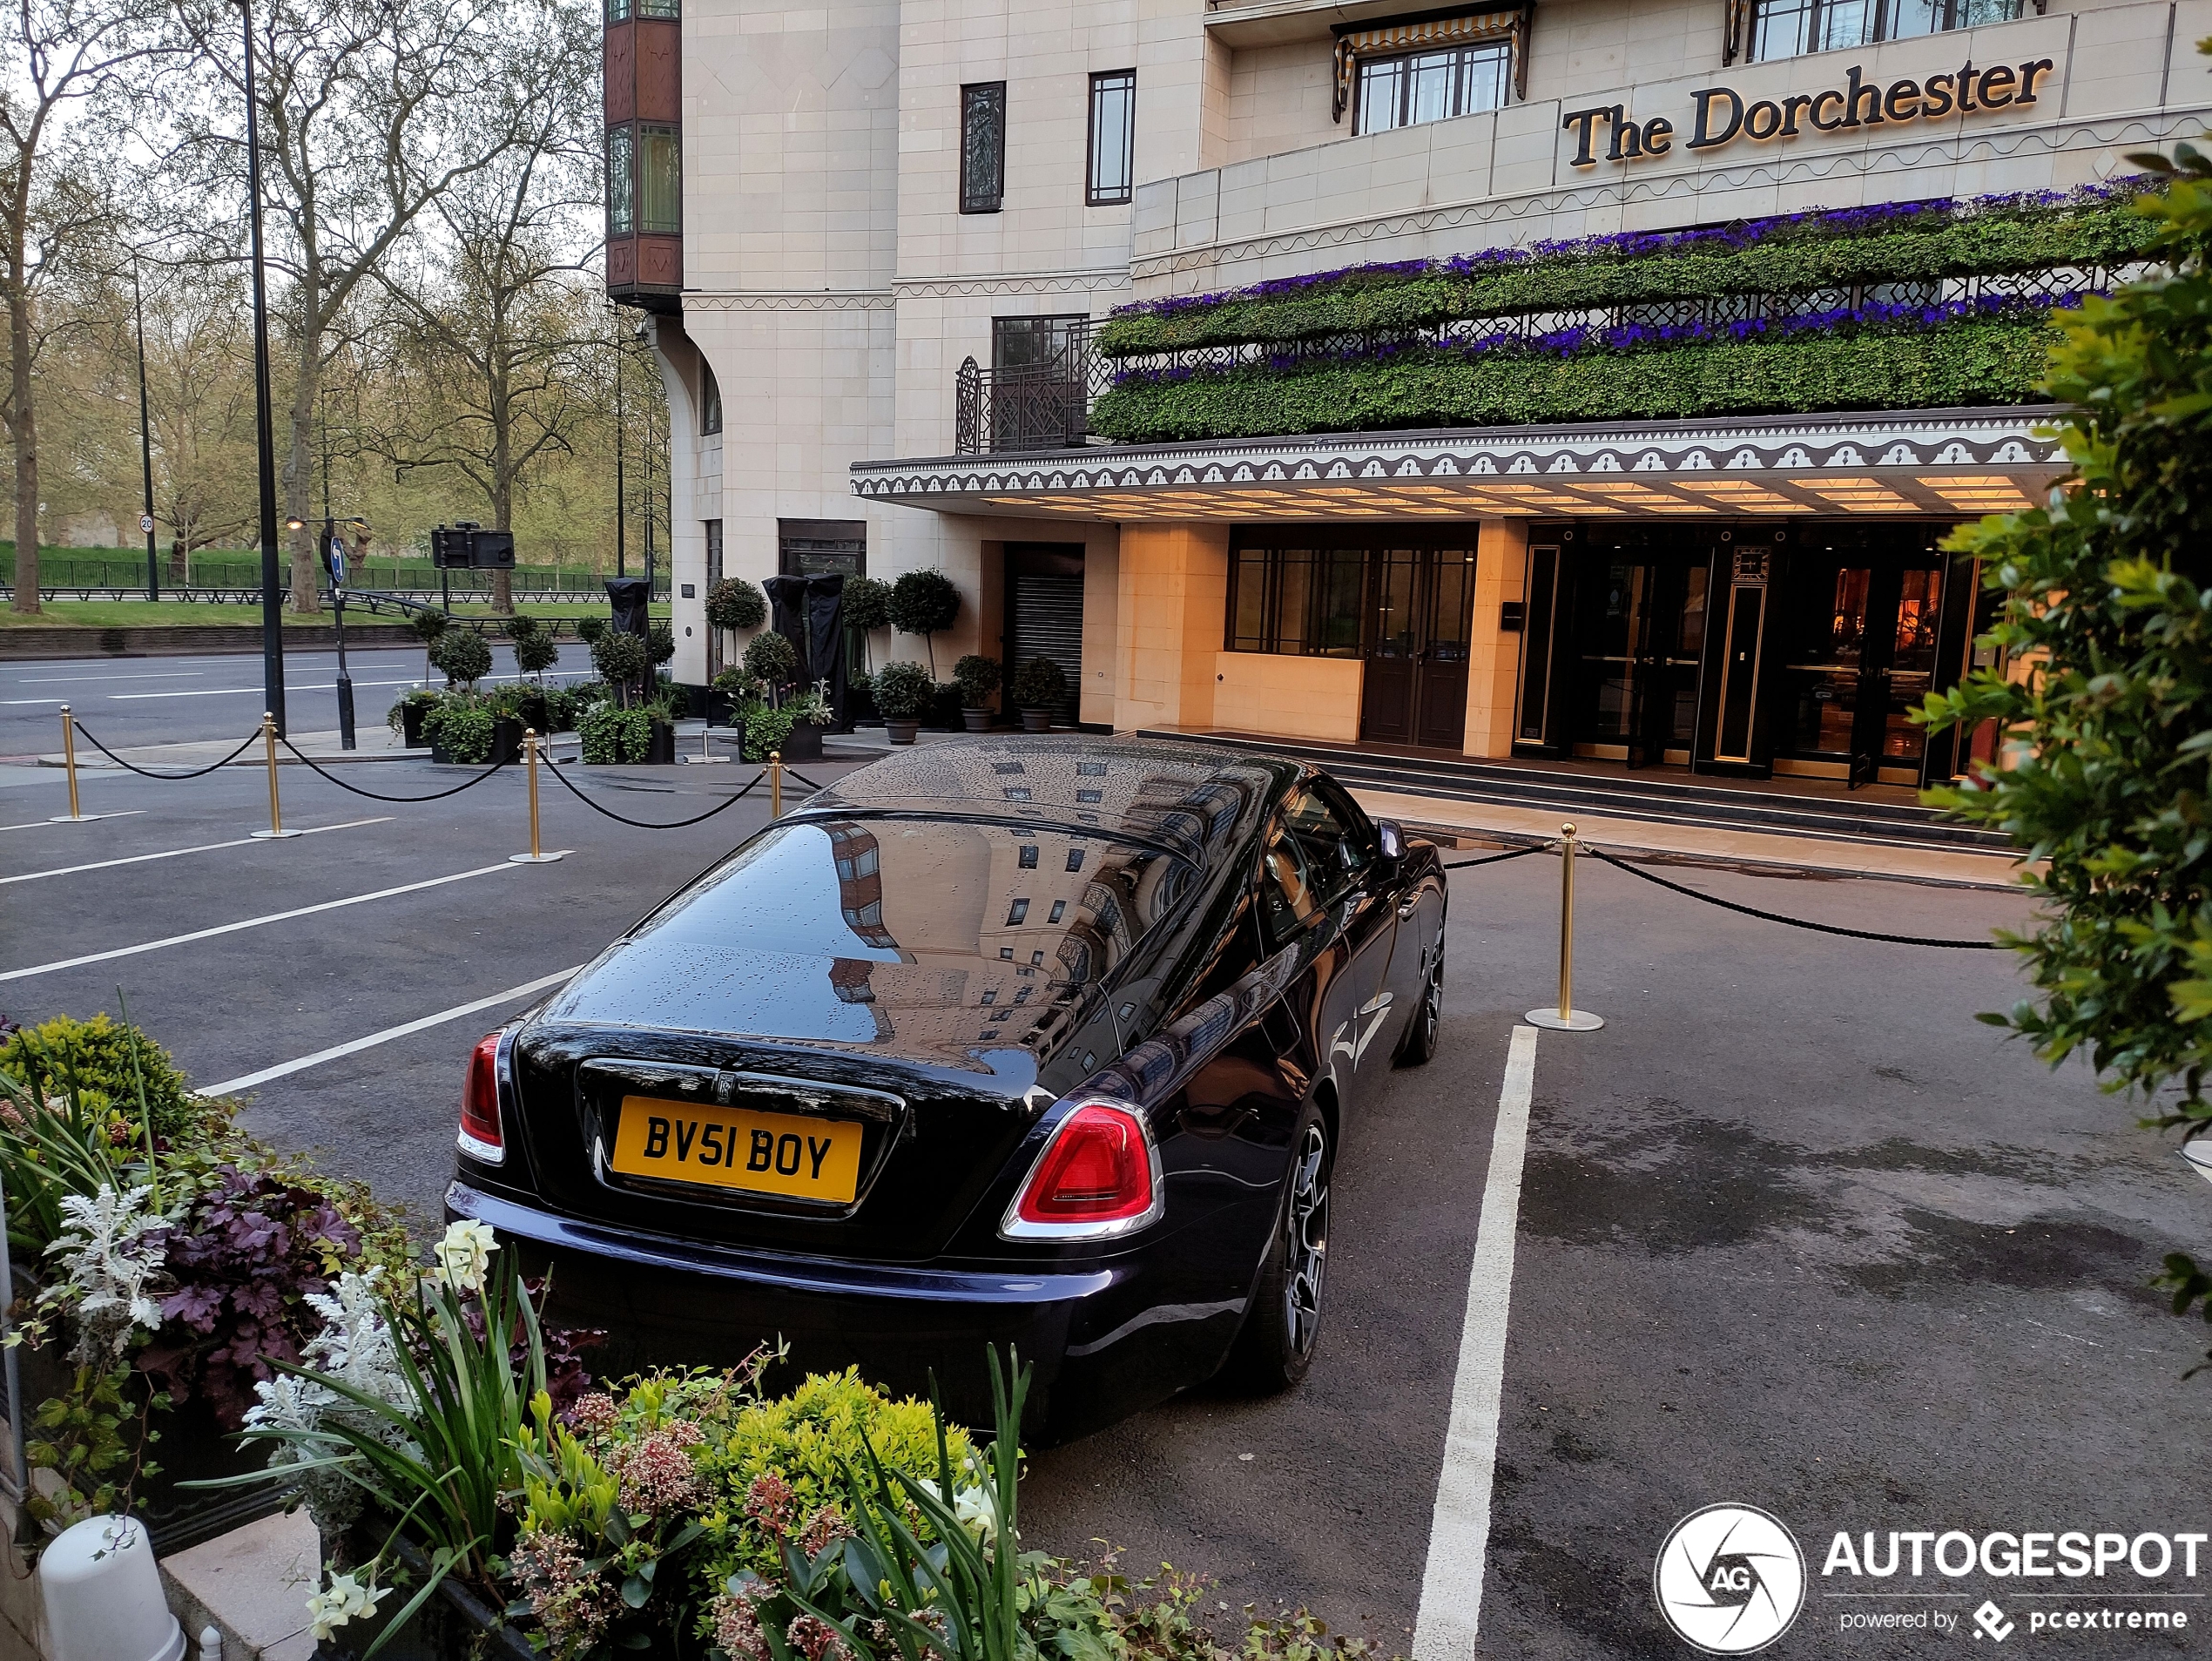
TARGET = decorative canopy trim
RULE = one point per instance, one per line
(1462, 28)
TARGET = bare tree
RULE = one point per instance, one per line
(371, 112)
(62, 55)
(497, 340)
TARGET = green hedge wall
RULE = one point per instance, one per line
(1965, 363)
(2103, 233)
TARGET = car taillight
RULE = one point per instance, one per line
(480, 1137)
(1099, 1176)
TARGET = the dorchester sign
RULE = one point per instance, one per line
(1721, 115)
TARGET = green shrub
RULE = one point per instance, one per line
(1039, 684)
(463, 728)
(620, 659)
(867, 604)
(462, 655)
(923, 602)
(1798, 259)
(660, 643)
(590, 628)
(771, 657)
(1959, 364)
(560, 709)
(903, 691)
(535, 651)
(427, 625)
(765, 729)
(977, 677)
(735, 604)
(93, 1061)
(613, 736)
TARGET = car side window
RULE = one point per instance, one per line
(1287, 901)
(1336, 852)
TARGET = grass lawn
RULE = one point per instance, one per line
(137, 614)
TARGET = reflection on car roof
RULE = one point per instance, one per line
(1191, 799)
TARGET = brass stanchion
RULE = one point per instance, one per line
(69, 763)
(1566, 1017)
(530, 758)
(775, 784)
(276, 831)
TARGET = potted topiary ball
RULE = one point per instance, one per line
(1039, 689)
(902, 692)
(771, 658)
(977, 677)
(622, 661)
(734, 604)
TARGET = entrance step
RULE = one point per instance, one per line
(1625, 795)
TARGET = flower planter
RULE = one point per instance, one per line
(1036, 720)
(411, 716)
(533, 712)
(660, 749)
(978, 720)
(721, 707)
(901, 730)
(805, 743)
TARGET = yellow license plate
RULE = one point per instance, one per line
(731, 1147)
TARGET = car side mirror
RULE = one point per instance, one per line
(1391, 840)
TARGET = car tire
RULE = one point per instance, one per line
(1275, 1347)
(1422, 1032)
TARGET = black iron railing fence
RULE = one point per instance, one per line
(1030, 406)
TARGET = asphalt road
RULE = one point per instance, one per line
(1795, 1231)
(172, 700)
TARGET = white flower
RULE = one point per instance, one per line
(347, 1599)
(973, 1508)
(106, 1268)
(464, 1256)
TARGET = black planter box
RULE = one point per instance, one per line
(943, 714)
(660, 749)
(534, 714)
(721, 707)
(411, 716)
(805, 743)
(506, 745)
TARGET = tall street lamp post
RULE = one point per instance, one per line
(265, 443)
(146, 435)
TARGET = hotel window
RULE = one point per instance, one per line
(709, 398)
(1406, 90)
(622, 194)
(624, 11)
(1302, 601)
(1111, 162)
(983, 147)
(1790, 28)
(660, 181)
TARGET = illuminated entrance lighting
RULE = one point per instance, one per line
(1639, 496)
(1860, 496)
(1984, 492)
(1743, 494)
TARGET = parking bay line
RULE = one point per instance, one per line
(253, 923)
(172, 853)
(1459, 1533)
(247, 1081)
(40, 824)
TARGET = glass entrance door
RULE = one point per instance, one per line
(1420, 605)
(1641, 637)
(1862, 655)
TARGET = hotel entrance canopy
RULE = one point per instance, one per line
(1913, 464)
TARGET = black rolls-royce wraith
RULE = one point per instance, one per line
(1041, 1041)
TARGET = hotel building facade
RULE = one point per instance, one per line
(1566, 378)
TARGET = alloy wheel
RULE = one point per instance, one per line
(1307, 1249)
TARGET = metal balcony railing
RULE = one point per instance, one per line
(1030, 406)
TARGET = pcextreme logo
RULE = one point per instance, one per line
(1730, 1579)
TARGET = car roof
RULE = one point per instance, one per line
(1190, 799)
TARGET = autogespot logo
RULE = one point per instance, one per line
(1730, 1579)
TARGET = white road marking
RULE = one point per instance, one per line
(252, 922)
(172, 853)
(1459, 1531)
(41, 823)
(159, 674)
(240, 692)
(247, 1081)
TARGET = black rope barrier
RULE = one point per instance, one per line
(197, 773)
(378, 795)
(794, 772)
(641, 824)
(1497, 859)
(1795, 922)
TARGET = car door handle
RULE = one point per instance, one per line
(1409, 907)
